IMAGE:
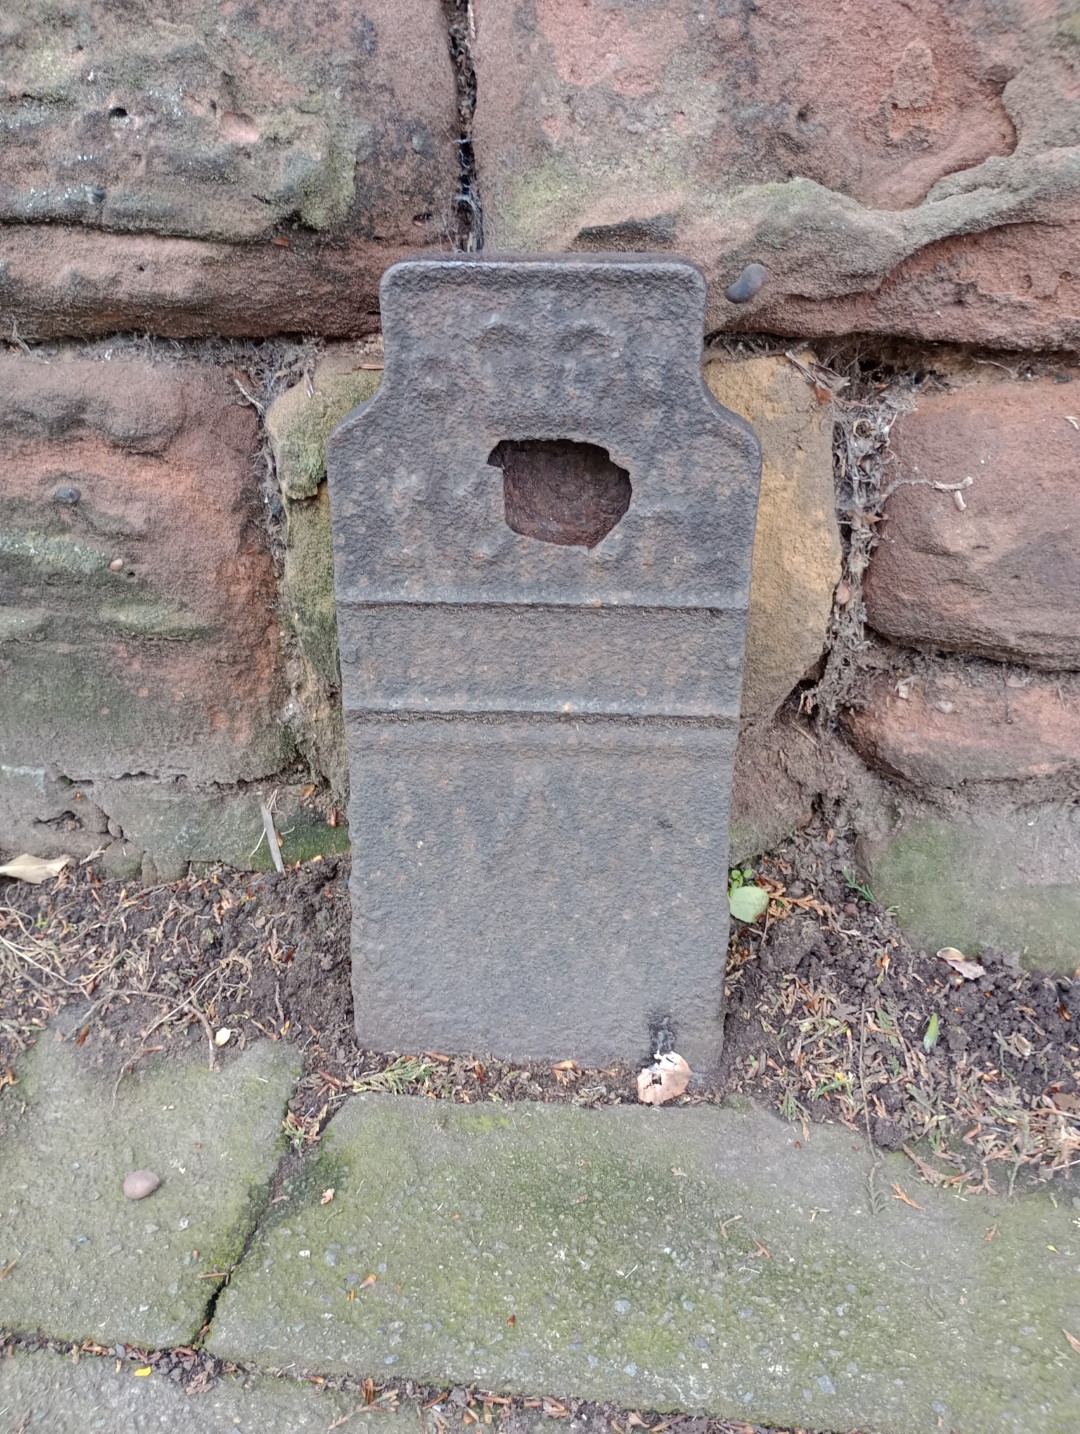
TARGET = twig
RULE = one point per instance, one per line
(249, 397)
(960, 487)
(201, 1018)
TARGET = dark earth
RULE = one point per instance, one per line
(831, 1014)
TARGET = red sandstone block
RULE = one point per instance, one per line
(1001, 578)
(214, 145)
(956, 724)
(137, 632)
(896, 166)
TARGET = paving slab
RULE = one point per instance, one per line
(83, 1262)
(707, 1259)
(41, 1391)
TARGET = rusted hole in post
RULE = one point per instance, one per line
(561, 492)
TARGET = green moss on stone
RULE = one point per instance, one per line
(151, 618)
(955, 884)
(52, 553)
(300, 425)
(309, 835)
(1069, 28)
(537, 202)
(330, 189)
(92, 1264)
(598, 1254)
(309, 584)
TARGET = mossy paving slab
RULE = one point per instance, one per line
(86, 1263)
(704, 1259)
(42, 1392)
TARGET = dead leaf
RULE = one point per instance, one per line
(1072, 1340)
(666, 1079)
(928, 1173)
(898, 1194)
(970, 970)
(34, 868)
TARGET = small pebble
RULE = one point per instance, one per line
(116, 565)
(67, 495)
(140, 1183)
(748, 284)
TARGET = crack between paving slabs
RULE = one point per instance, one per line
(466, 1404)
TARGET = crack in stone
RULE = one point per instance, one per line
(469, 230)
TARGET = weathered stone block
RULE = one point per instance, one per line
(43, 1390)
(911, 167)
(56, 282)
(85, 1261)
(797, 540)
(998, 876)
(780, 770)
(229, 125)
(595, 1252)
(299, 422)
(170, 826)
(542, 664)
(134, 576)
(952, 725)
(1000, 578)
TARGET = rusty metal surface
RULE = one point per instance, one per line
(542, 650)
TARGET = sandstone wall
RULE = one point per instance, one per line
(196, 208)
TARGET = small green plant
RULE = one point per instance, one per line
(933, 1030)
(860, 888)
(293, 1132)
(791, 1108)
(402, 1073)
(746, 900)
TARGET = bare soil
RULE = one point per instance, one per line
(831, 1014)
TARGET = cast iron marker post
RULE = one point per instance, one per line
(543, 526)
